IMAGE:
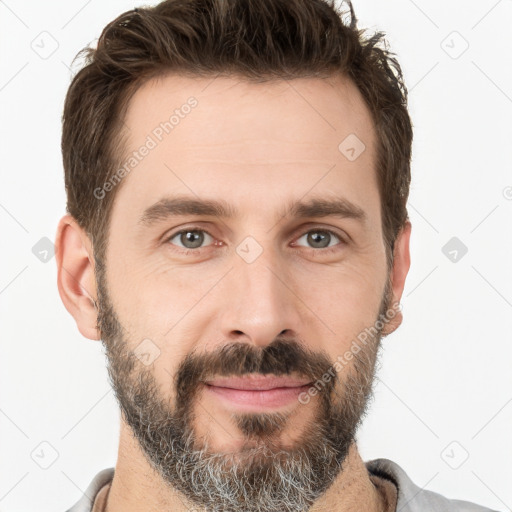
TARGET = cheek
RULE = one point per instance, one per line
(342, 305)
(149, 295)
(343, 293)
(167, 305)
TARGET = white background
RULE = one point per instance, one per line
(445, 387)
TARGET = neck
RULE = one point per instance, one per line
(136, 485)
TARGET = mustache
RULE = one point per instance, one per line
(281, 357)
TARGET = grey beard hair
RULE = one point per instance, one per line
(287, 483)
(260, 477)
(225, 484)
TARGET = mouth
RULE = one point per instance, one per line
(257, 392)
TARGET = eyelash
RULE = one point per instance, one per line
(325, 250)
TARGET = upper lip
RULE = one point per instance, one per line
(257, 382)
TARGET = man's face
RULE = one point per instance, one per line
(275, 290)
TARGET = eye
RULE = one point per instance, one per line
(321, 238)
(196, 238)
(190, 238)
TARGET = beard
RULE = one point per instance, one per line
(262, 476)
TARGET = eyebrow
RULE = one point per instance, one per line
(184, 205)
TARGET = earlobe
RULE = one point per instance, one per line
(75, 275)
(399, 271)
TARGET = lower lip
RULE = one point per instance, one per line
(258, 399)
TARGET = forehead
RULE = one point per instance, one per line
(238, 139)
(232, 107)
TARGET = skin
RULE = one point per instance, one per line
(257, 146)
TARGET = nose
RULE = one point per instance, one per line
(260, 302)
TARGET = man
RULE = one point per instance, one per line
(237, 173)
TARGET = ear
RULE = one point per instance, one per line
(399, 270)
(75, 275)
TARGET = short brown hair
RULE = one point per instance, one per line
(255, 39)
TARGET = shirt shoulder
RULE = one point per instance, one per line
(85, 503)
(412, 498)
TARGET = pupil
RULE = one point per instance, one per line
(195, 238)
(318, 239)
